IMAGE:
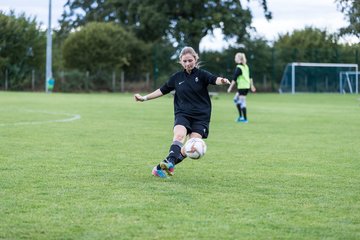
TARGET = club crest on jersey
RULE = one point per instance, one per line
(196, 79)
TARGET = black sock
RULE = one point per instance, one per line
(244, 112)
(239, 109)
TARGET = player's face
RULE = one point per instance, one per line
(188, 62)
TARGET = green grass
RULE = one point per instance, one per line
(292, 172)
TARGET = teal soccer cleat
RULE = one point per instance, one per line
(239, 119)
(158, 173)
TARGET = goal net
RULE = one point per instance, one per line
(349, 82)
(317, 77)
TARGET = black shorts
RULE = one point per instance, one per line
(243, 92)
(193, 125)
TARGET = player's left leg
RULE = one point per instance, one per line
(158, 172)
(243, 108)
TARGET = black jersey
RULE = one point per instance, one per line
(191, 93)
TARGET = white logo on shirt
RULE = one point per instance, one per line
(196, 79)
(181, 82)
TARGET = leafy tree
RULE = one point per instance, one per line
(101, 48)
(351, 9)
(305, 45)
(309, 44)
(349, 53)
(185, 22)
(22, 48)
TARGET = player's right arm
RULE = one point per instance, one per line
(231, 86)
(155, 94)
(163, 90)
(237, 73)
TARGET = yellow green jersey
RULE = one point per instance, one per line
(243, 80)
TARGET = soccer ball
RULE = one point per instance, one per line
(195, 148)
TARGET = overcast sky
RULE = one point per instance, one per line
(287, 16)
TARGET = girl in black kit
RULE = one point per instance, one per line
(192, 106)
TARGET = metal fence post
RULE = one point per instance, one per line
(113, 80)
(33, 80)
(6, 79)
(122, 81)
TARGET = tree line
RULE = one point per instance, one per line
(99, 41)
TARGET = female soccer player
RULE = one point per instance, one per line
(244, 82)
(192, 106)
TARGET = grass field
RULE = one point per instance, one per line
(78, 166)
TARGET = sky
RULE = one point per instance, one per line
(288, 15)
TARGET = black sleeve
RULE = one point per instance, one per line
(237, 73)
(168, 86)
(210, 78)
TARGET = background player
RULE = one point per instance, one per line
(242, 77)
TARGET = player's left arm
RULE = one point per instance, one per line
(222, 81)
(252, 86)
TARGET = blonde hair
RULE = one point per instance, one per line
(240, 58)
(189, 50)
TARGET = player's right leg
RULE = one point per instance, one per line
(168, 164)
(237, 102)
(238, 106)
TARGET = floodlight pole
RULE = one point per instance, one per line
(48, 53)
